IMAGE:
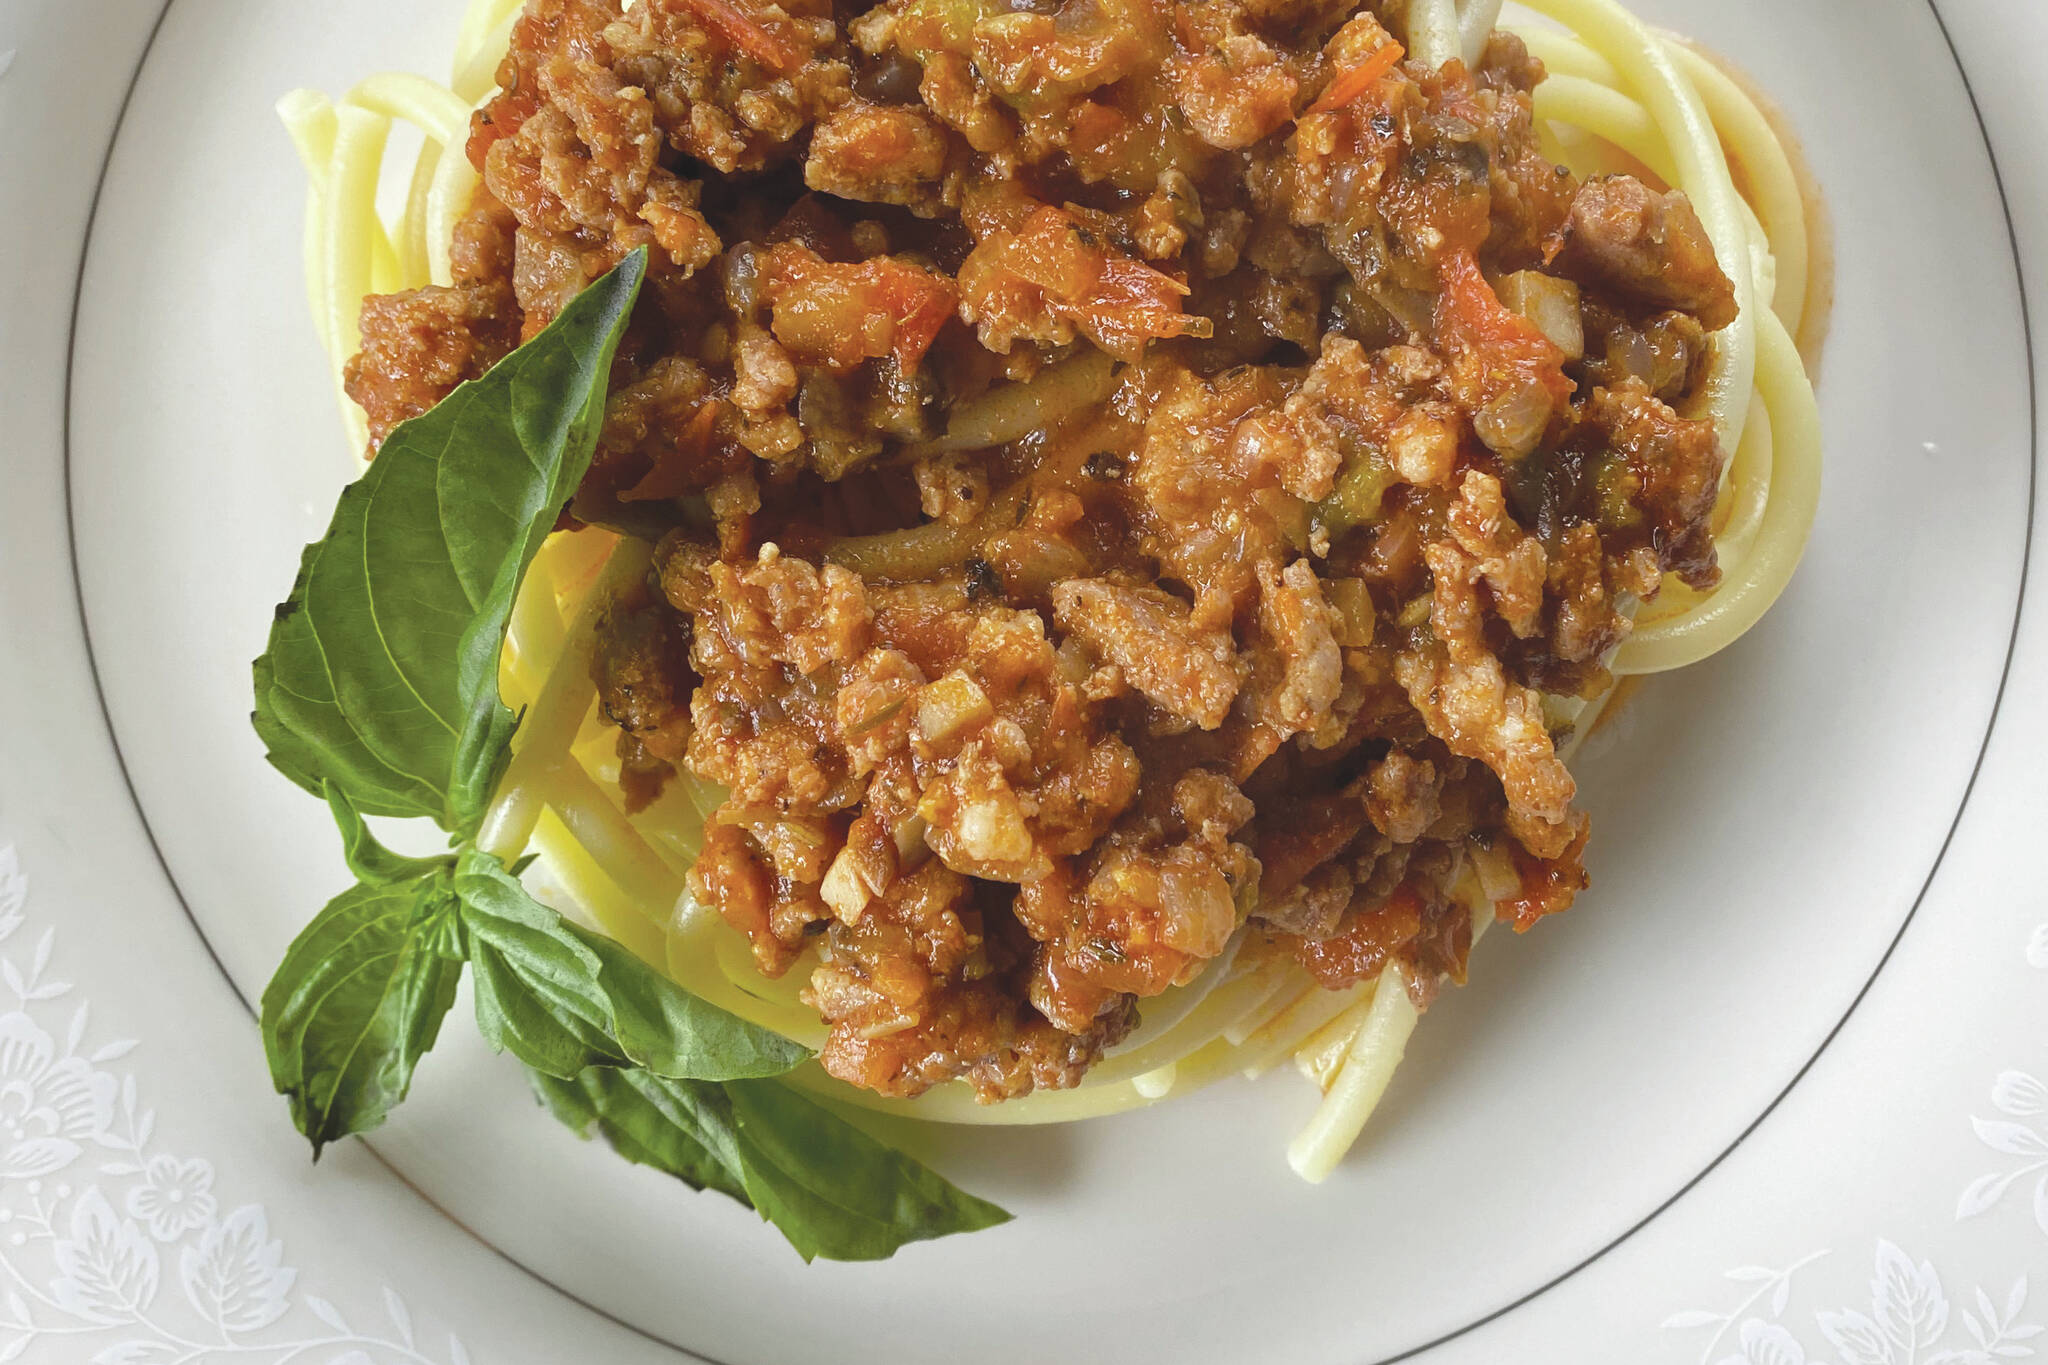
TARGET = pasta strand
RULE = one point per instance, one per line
(1616, 91)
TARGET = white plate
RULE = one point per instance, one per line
(1765, 824)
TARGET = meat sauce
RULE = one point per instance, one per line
(1255, 629)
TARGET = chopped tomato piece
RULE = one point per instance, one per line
(839, 314)
(1548, 885)
(1365, 943)
(1471, 317)
(1505, 372)
(1053, 265)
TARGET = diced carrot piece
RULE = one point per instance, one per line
(1349, 85)
(739, 29)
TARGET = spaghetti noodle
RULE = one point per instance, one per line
(1618, 97)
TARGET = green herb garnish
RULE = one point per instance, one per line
(378, 692)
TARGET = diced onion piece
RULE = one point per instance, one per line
(951, 706)
(1197, 911)
(1552, 304)
(843, 889)
(910, 845)
(1512, 424)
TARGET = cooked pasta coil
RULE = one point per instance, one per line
(1619, 95)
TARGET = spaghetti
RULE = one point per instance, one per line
(1618, 97)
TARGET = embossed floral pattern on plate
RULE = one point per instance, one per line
(118, 1249)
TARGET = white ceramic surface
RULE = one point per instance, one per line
(1764, 826)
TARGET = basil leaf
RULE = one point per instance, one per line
(358, 1000)
(671, 1032)
(536, 987)
(381, 675)
(373, 863)
(833, 1190)
(828, 1187)
(565, 1100)
(646, 1120)
(562, 1000)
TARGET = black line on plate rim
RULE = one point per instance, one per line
(1976, 769)
(1969, 787)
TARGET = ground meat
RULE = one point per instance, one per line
(1051, 278)
(1667, 469)
(482, 248)
(882, 154)
(776, 610)
(1402, 794)
(979, 1033)
(1313, 908)
(1300, 629)
(418, 345)
(1469, 705)
(1650, 248)
(1013, 770)
(1190, 671)
(731, 84)
(1143, 910)
(769, 627)
(666, 436)
(1367, 939)
(838, 315)
(1510, 561)
(1237, 93)
(1119, 472)
(1588, 623)
(951, 487)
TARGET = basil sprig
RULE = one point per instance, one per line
(378, 692)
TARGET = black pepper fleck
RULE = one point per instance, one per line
(1103, 467)
(982, 580)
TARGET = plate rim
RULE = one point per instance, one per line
(2013, 252)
